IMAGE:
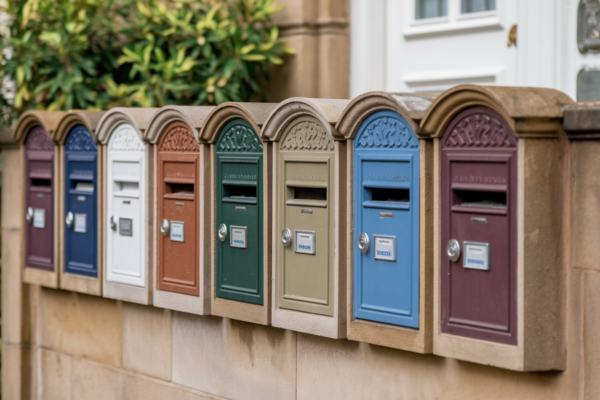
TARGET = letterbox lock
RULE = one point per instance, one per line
(113, 224)
(29, 215)
(363, 242)
(286, 237)
(164, 227)
(222, 232)
(453, 250)
(69, 219)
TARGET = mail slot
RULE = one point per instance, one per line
(39, 202)
(306, 196)
(479, 227)
(386, 221)
(125, 207)
(177, 200)
(239, 220)
(81, 203)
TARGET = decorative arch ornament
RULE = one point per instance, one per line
(179, 138)
(307, 135)
(239, 138)
(38, 139)
(80, 139)
(125, 138)
(481, 128)
(387, 132)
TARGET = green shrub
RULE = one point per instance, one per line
(96, 54)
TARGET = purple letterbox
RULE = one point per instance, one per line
(479, 227)
(39, 202)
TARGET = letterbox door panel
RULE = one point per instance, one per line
(239, 171)
(125, 219)
(479, 210)
(386, 201)
(178, 259)
(39, 170)
(81, 234)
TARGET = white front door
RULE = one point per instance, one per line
(125, 227)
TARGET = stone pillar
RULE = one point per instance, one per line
(318, 31)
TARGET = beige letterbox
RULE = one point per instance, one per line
(41, 191)
(127, 188)
(500, 154)
(181, 278)
(80, 202)
(310, 216)
(230, 135)
(390, 302)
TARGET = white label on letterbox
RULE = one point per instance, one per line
(385, 248)
(177, 232)
(125, 226)
(39, 218)
(305, 242)
(80, 223)
(238, 236)
(477, 256)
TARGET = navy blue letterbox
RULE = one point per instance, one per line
(81, 203)
(386, 221)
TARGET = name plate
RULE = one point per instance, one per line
(385, 248)
(238, 236)
(80, 223)
(125, 226)
(477, 256)
(305, 242)
(177, 231)
(39, 218)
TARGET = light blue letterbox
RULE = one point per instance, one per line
(81, 203)
(386, 221)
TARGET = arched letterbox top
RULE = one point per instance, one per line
(306, 134)
(239, 136)
(178, 137)
(138, 118)
(72, 118)
(386, 130)
(254, 113)
(411, 106)
(47, 120)
(38, 140)
(325, 112)
(530, 112)
(125, 138)
(479, 128)
(80, 139)
(192, 116)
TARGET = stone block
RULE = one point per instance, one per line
(80, 325)
(54, 375)
(14, 293)
(92, 381)
(16, 372)
(233, 359)
(591, 338)
(147, 340)
(13, 204)
(340, 369)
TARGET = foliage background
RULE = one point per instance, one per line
(96, 54)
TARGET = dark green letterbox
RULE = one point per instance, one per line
(239, 191)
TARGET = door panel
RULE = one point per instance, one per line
(81, 240)
(39, 170)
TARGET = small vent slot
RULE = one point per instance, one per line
(310, 193)
(239, 191)
(128, 187)
(180, 188)
(41, 182)
(390, 195)
(480, 199)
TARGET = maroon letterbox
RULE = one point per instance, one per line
(479, 227)
(39, 202)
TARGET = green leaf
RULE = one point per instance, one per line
(254, 57)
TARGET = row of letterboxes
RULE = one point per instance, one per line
(404, 220)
